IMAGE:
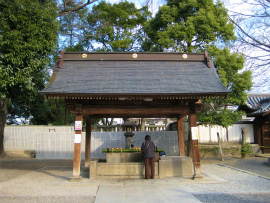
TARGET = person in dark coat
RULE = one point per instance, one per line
(148, 150)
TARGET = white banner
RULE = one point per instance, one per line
(194, 133)
(78, 138)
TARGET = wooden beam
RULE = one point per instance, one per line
(181, 142)
(131, 110)
(133, 115)
(131, 56)
(77, 154)
(88, 142)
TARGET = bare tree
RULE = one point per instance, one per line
(252, 23)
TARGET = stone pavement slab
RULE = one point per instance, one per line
(143, 193)
(164, 190)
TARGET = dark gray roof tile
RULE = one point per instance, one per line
(135, 77)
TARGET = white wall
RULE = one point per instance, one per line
(58, 141)
(208, 134)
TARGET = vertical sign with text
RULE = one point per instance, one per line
(194, 133)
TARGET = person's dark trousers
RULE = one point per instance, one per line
(147, 161)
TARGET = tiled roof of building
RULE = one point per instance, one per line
(157, 73)
(258, 103)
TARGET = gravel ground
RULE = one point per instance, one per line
(224, 198)
(250, 187)
(35, 199)
(30, 180)
(257, 165)
(12, 167)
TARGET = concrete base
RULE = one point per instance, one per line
(120, 170)
(170, 166)
(166, 167)
(199, 176)
(126, 157)
(76, 179)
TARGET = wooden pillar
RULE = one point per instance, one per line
(181, 142)
(77, 153)
(88, 143)
(195, 146)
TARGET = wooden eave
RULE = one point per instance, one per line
(134, 97)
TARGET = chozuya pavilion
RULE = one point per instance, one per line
(135, 85)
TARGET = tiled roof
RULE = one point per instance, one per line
(135, 77)
(259, 103)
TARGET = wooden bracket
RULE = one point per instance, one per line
(79, 109)
(61, 59)
(182, 116)
(197, 108)
(207, 59)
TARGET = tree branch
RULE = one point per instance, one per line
(250, 37)
(76, 7)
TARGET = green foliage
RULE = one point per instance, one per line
(59, 113)
(126, 150)
(229, 67)
(31, 103)
(246, 149)
(28, 32)
(115, 27)
(223, 117)
(187, 26)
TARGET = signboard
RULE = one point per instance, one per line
(78, 125)
(194, 133)
(78, 138)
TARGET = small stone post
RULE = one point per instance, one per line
(220, 149)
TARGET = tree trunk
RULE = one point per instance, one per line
(3, 117)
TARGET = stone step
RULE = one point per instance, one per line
(22, 153)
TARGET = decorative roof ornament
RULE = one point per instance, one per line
(134, 55)
(184, 56)
(84, 56)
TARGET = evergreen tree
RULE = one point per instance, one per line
(28, 33)
(187, 26)
(116, 27)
